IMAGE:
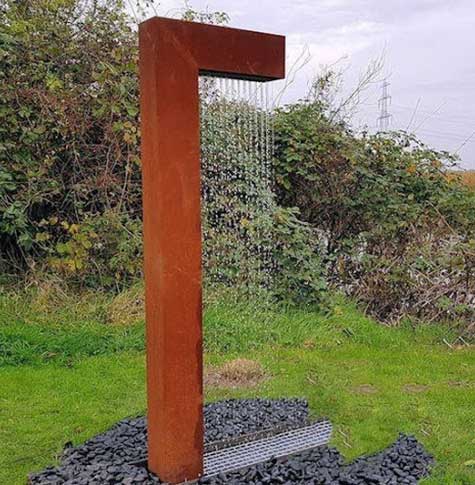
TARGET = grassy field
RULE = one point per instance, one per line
(70, 370)
(467, 177)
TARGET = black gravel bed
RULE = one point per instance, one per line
(113, 457)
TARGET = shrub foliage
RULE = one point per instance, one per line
(398, 231)
(375, 215)
(69, 160)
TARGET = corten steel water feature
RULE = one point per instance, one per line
(173, 54)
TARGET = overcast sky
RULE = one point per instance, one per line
(428, 46)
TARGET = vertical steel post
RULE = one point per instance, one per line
(172, 55)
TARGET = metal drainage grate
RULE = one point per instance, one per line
(254, 452)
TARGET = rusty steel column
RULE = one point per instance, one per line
(172, 55)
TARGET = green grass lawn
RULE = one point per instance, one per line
(67, 377)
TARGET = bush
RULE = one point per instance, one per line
(430, 279)
(249, 241)
(70, 188)
(397, 231)
(376, 215)
(68, 130)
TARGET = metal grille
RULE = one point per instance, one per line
(258, 435)
(253, 452)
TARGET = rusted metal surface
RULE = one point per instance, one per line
(172, 55)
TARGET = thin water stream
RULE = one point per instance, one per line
(237, 182)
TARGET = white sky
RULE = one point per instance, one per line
(429, 50)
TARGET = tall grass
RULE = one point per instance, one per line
(40, 325)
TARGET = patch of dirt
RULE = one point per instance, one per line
(415, 388)
(463, 347)
(237, 373)
(365, 389)
(460, 384)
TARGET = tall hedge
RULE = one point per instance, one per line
(70, 191)
(69, 160)
(373, 215)
(398, 228)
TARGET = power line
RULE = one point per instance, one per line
(451, 118)
(414, 113)
(448, 134)
(445, 139)
(437, 110)
(467, 140)
(383, 103)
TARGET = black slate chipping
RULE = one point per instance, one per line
(109, 457)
